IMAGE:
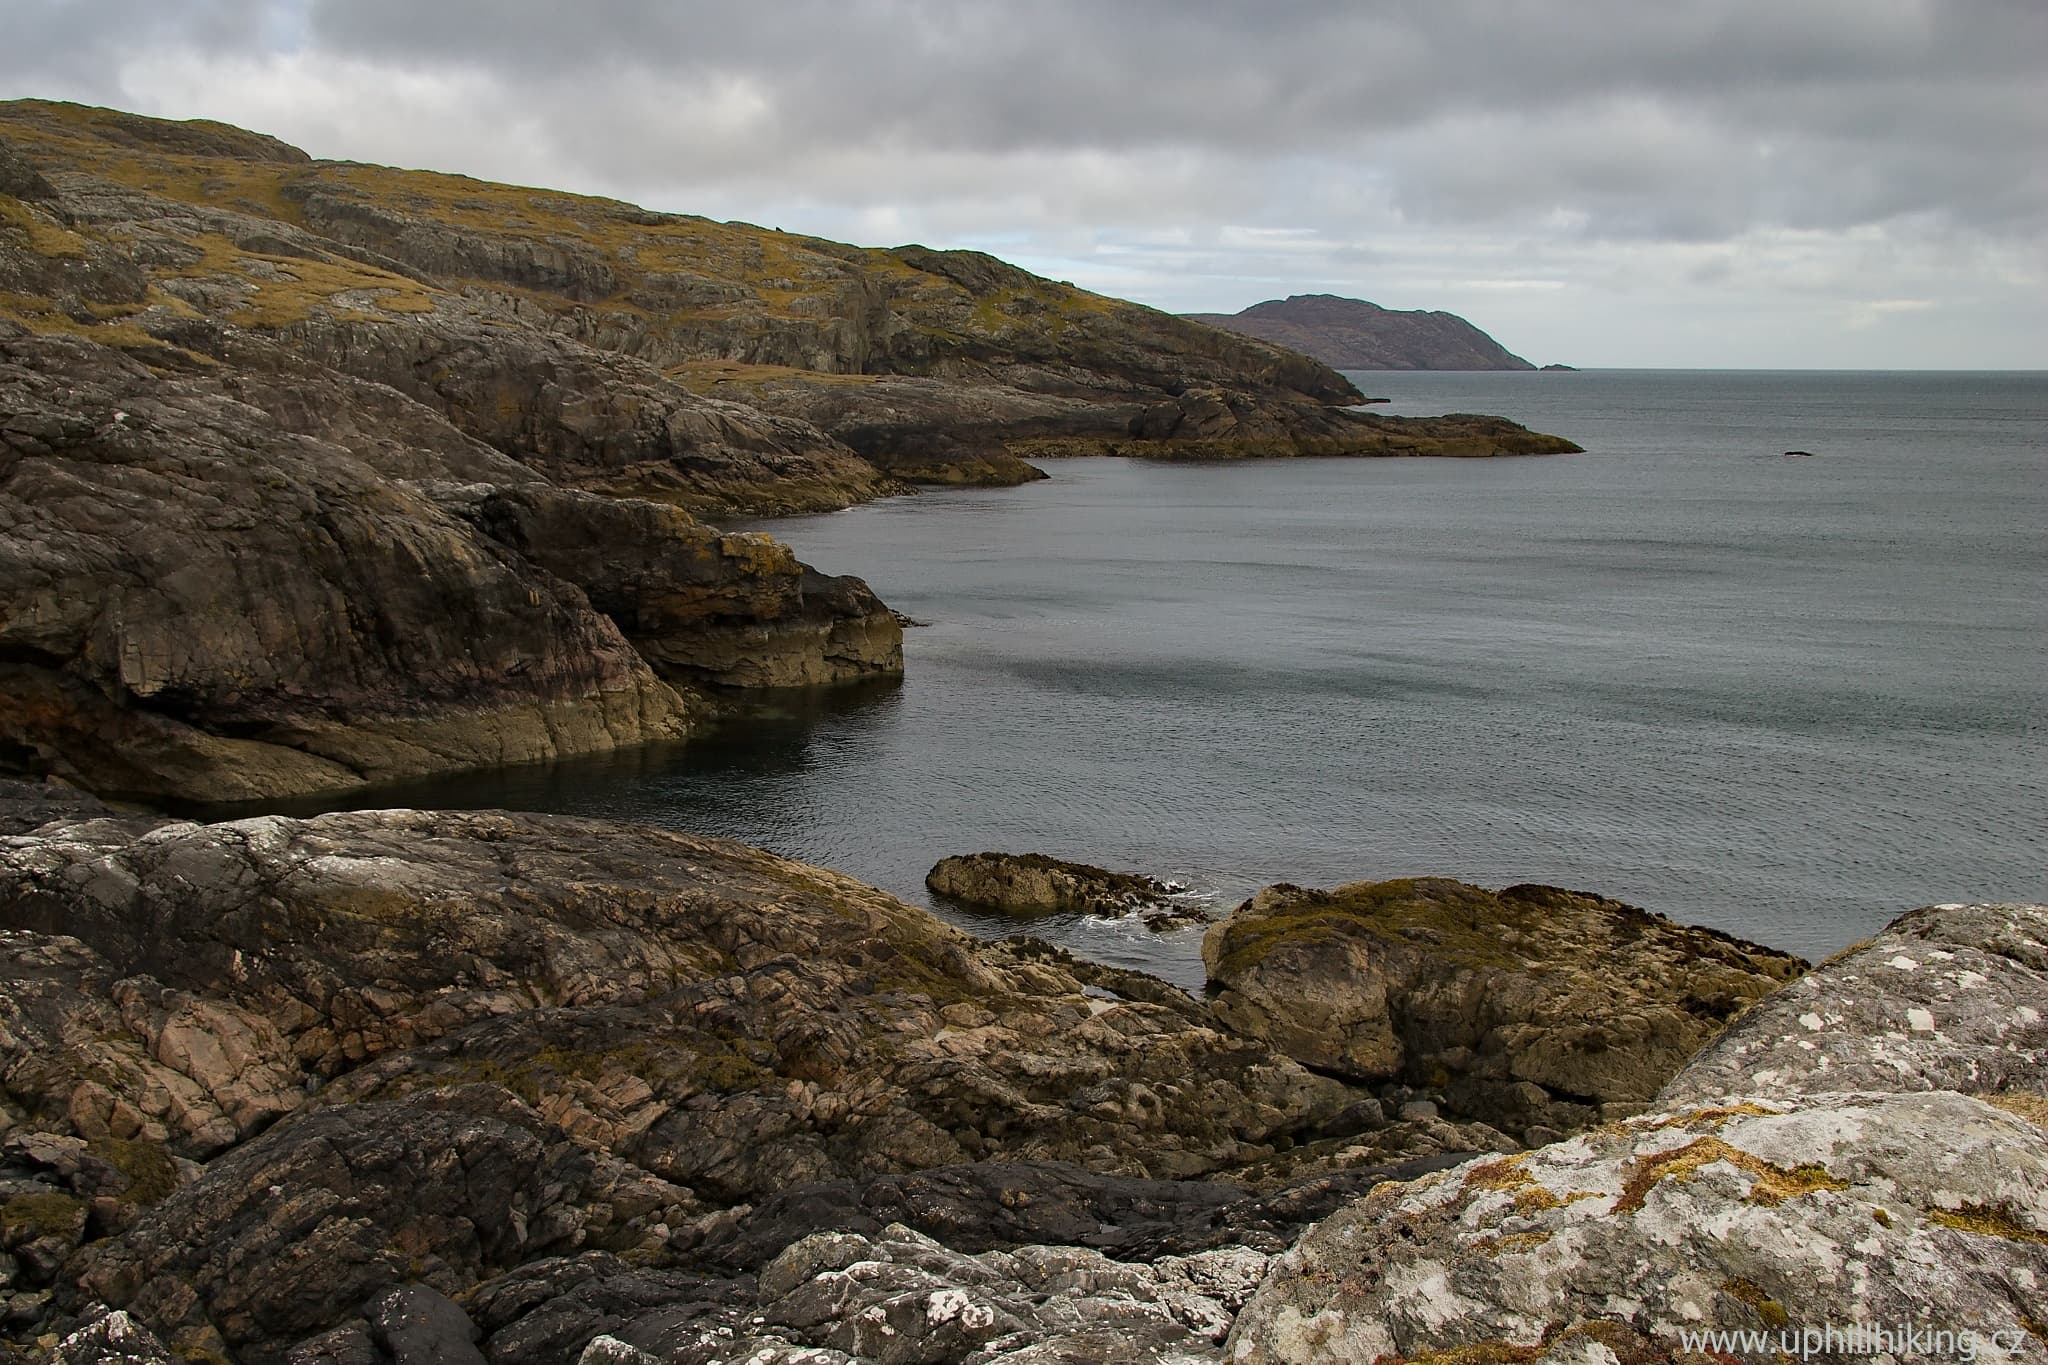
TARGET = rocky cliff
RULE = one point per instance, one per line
(1351, 334)
(317, 475)
(718, 366)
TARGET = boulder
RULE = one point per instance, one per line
(1951, 997)
(1525, 1008)
(1818, 1169)
(1927, 1211)
(1031, 884)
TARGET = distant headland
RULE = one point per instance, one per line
(1351, 334)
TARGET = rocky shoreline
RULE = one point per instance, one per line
(407, 1086)
(315, 476)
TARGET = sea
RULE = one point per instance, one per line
(1787, 696)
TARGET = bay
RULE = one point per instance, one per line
(1788, 697)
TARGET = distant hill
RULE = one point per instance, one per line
(1351, 334)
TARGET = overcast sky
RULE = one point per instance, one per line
(1767, 183)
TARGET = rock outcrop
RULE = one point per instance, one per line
(319, 475)
(381, 1048)
(1032, 884)
(1351, 334)
(1530, 1008)
(201, 599)
(401, 1085)
(1951, 997)
(1830, 1166)
(606, 344)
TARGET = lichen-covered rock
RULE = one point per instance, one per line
(1530, 1007)
(1631, 1241)
(1950, 997)
(892, 1296)
(110, 1338)
(1032, 884)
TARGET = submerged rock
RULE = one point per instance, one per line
(1033, 884)
(1527, 1008)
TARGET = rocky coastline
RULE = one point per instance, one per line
(408, 1086)
(315, 476)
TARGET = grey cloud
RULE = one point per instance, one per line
(1475, 140)
(82, 40)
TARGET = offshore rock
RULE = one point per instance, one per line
(1032, 884)
(1527, 1008)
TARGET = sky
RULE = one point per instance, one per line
(1704, 183)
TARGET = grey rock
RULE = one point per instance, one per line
(1415, 1111)
(420, 1327)
(1926, 1208)
(108, 1338)
(1950, 997)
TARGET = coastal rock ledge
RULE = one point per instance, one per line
(397, 1086)
(1533, 1009)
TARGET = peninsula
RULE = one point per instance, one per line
(316, 475)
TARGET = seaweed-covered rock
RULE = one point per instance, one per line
(1529, 1007)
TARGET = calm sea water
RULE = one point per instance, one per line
(1786, 697)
